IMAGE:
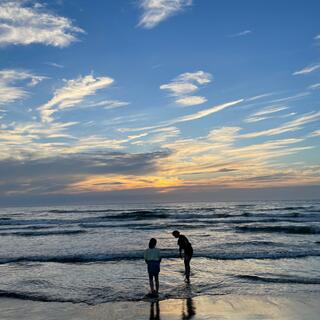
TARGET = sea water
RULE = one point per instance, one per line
(94, 254)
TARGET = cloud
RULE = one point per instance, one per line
(187, 83)
(290, 126)
(264, 113)
(56, 65)
(194, 116)
(291, 98)
(218, 160)
(206, 112)
(156, 11)
(241, 34)
(271, 109)
(33, 139)
(179, 88)
(260, 96)
(314, 86)
(109, 104)
(307, 70)
(315, 133)
(199, 77)
(28, 175)
(157, 136)
(317, 37)
(25, 25)
(72, 94)
(8, 77)
(191, 101)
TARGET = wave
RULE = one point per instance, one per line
(287, 208)
(31, 296)
(36, 227)
(281, 279)
(139, 215)
(281, 229)
(42, 233)
(166, 254)
(83, 211)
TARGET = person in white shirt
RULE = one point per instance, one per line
(153, 258)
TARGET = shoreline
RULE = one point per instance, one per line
(240, 307)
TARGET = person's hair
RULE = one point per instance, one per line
(175, 233)
(152, 243)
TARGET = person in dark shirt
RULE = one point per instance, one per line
(186, 247)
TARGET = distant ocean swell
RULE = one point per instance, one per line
(22, 228)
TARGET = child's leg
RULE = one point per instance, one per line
(151, 282)
(156, 277)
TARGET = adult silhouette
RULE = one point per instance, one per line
(186, 247)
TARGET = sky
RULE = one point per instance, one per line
(159, 100)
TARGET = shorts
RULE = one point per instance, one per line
(153, 267)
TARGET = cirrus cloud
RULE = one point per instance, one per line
(9, 92)
(25, 25)
(72, 94)
(156, 11)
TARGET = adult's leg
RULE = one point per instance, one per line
(151, 282)
(156, 277)
(187, 259)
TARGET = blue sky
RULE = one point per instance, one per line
(158, 98)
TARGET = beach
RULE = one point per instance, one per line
(202, 307)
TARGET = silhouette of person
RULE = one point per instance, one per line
(186, 247)
(154, 315)
(152, 258)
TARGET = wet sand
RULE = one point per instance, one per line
(203, 307)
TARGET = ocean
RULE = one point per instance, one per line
(94, 254)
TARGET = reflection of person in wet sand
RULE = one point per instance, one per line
(186, 247)
(188, 309)
(154, 314)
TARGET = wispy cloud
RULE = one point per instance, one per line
(156, 11)
(33, 139)
(24, 25)
(260, 96)
(265, 113)
(315, 133)
(9, 92)
(193, 116)
(72, 94)
(206, 112)
(56, 65)
(307, 69)
(315, 86)
(241, 34)
(290, 126)
(185, 84)
(109, 104)
(271, 109)
(291, 98)
(216, 160)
